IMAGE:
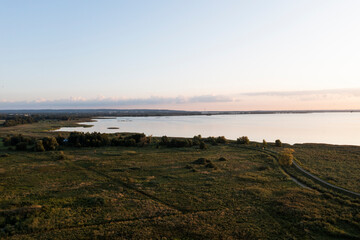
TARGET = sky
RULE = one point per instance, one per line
(188, 55)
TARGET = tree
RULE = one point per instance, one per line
(264, 143)
(164, 140)
(243, 140)
(286, 157)
(39, 147)
(221, 139)
(202, 145)
(21, 146)
(278, 143)
(50, 143)
(196, 140)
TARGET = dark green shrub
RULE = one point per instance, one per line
(211, 140)
(188, 167)
(278, 143)
(90, 202)
(210, 165)
(243, 140)
(130, 142)
(180, 143)
(39, 147)
(264, 145)
(196, 140)
(201, 161)
(61, 155)
(21, 146)
(202, 146)
(222, 159)
(60, 140)
(7, 141)
(221, 140)
(164, 141)
(50, 143)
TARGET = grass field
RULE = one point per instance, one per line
(40, 129)
(143, 193)
(160, 193)
(339, 165)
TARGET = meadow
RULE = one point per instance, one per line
(227, 191)
(339, 165)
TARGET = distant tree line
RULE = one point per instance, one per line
(96, 139)
(190, 142)
(14, 120)
(22, 143)
(17, 120)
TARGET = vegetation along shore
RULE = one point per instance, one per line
(129, 185)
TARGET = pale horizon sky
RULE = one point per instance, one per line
(189, 55)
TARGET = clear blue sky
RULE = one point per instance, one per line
(201, 54)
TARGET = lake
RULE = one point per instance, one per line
(332, 128)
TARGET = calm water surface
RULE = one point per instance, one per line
(334, 128)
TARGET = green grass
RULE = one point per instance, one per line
(142, 193)
(40, 129)
(339, 165)
(159, 193)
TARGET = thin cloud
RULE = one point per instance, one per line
(318, 93)
(110, 102)
(339, 98)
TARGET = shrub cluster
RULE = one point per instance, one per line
(286, 157)
(19, 142)
(22, 143)
(195, 141)
(215, 141)
(176, 142)
(46, 144)
(206, 162)
(95, 139)
(135, 140)
(17, 120)
(243, 140)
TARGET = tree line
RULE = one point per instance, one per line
(14, 120)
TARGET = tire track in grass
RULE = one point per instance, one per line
(129, 186)
(107, 222)
(308, 175)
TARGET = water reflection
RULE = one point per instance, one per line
(334, 128)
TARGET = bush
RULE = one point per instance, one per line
(221, 140)
(264, 143)
(130, 142)
(14, 140)
(202, 146)
(90, 202)
(243, 140)
(222, 159)
(201, 161)
(164, 141)
(196, 140)
(210, 165)
(60, 140)
(61, 155)
(21, 146)
(286, 157)
(211, 140)
(50, 143)
(278, 143)
(94, 139)
(188, 166)
(180, 143)
(39, 147)
(7, 141)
